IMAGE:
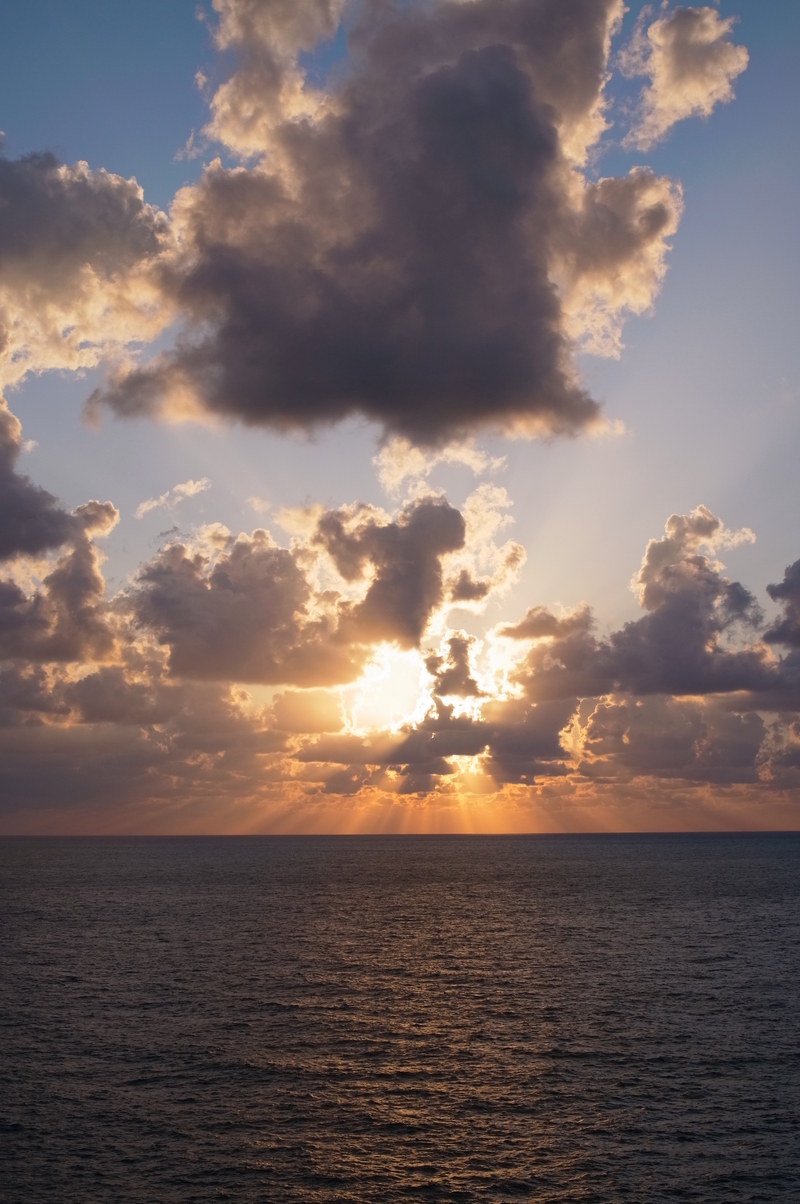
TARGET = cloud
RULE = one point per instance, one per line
(126, 709)
(26, 695)
(786, 630)
(31, 521)
(65, 618)
(682, 643)
(240, 614)
(172, 496)
(405, 558)
(400, 463)
(540, 622)
(672, 739)
(691, 61)
(269, 85)
(76, 247)
(259, 504)
(453, 674)
(247, 610)
(420, 244)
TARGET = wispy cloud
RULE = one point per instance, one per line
(259, 504)
(172, 496)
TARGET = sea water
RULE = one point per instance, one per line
(577, 1018)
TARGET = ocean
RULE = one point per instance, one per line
(548, 1018)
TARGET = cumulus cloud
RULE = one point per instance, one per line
(453, 674)
(682, 644)
(786, 630)
(672, 739)
(400, 464)
(248, 610)
(65, 618)
(171, 497)
(62, 617)
(76, 247)
(31, 520)
(419, 244)
(130, 702)
(269, 85)
(692, 63)
(240, 614)
(405, 560)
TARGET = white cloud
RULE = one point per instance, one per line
(172, 496)
(691, 63)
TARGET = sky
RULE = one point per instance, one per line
(400, 413)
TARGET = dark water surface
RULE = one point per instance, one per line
(531, 1018)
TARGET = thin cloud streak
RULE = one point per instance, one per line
(170, 499)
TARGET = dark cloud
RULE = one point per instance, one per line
(682, 645)
(26, 695)
(249, 612)
(125, 774)
(406, 559)
(394, 251)
(466, 589)
(539, 622)
(518, 741)
(786, 630)
(525, 741)
(66, 619)
(58, 220)
(672, 738)
(242, 616)
(31, 521)
(113, 694)
(452, 675)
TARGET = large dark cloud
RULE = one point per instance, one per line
(395, 249)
